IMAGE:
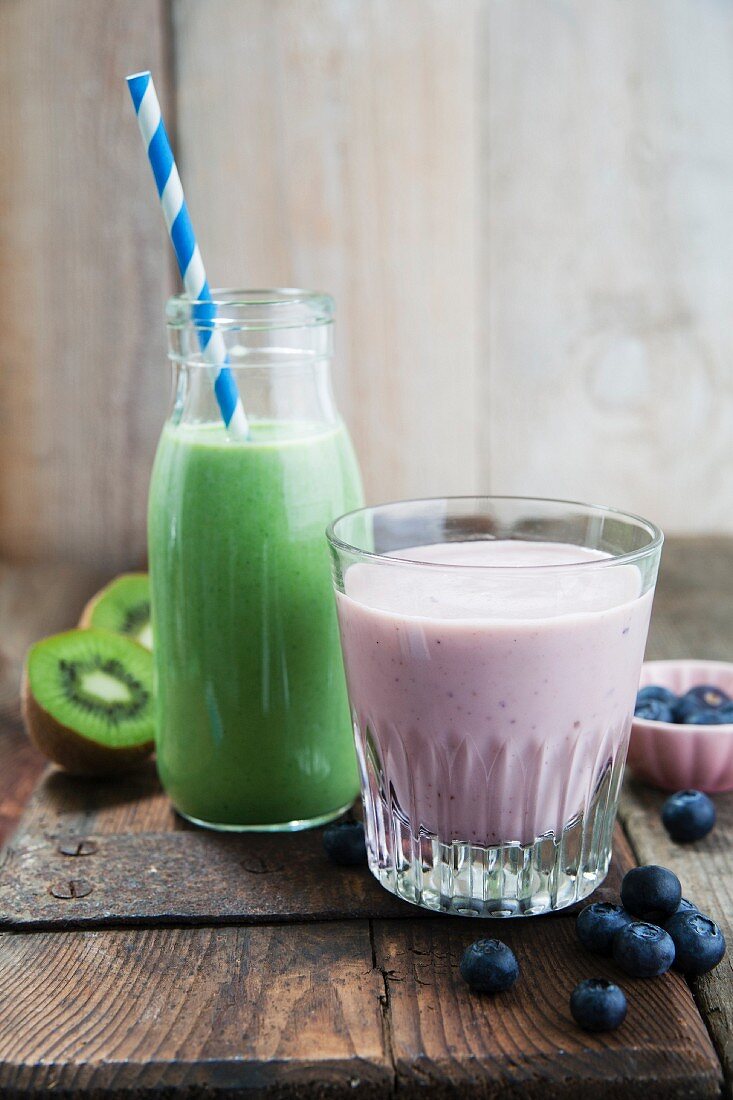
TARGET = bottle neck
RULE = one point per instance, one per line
(278, 344)
(296, 393)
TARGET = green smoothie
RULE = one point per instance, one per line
(253, 721)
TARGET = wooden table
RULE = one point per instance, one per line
(153, 959)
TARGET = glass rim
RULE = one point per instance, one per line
(656, 535)
(241, 309)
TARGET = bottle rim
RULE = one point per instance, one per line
(258, 310)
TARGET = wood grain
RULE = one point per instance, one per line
(85, 270)
(151, 867)
(447, 1041)
(402, 1022)
(693, 611)
(693, 605)
(343, 156)
(187, 877)
(705, 870)
(522, 208)
(62, 805)
(607, 227)
(269, 1011)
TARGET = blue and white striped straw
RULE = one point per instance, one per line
(190, 264)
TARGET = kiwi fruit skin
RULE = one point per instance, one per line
(75, 753)
(88, 614)
(65, 747)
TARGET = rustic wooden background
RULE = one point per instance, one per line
(523, 207)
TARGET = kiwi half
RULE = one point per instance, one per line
(88, 700)
(123, 606)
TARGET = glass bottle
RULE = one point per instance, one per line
(253, 723)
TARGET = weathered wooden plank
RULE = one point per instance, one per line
(606, 232)
(267, 1011)
(443, 1038)
(447, 1041)
(343, 156)
(693, 605)
(85, 270)
(705, 870)
(63, 804)
(443, 167)
(693, 612)
(149, 866)
(187, 877)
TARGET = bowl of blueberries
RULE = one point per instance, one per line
(682, 733)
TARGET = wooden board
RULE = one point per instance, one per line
(606, 230)
(286, 1011)
(704, 869)
(85, 269)
(343, 157)
(358, 1007)
(299, 1011)
(693, 616)
(522, 208)
(139, 863)
(450, 1043)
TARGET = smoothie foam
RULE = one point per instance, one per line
(495, 706)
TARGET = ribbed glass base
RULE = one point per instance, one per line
(507, 880)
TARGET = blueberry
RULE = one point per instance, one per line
(720, 717)
(702, 698)
(650, 890)
(598, 923)
(699, 943)
(656, 691)
(688, 815)
(598, 1005)
(489, 966)
(684, 906)
(344, 843)
(654, 710)
(643, 950)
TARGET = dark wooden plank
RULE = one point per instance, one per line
(188, 877)
(705, 870)
(449, 1042)
(693, 613)
(150, 867)
(444, 1040)
(279, 1011)
(63, 804)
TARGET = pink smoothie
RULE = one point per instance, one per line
(494, 699)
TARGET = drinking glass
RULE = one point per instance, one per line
(492, 648)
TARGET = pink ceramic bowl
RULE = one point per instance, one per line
(674, 757)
